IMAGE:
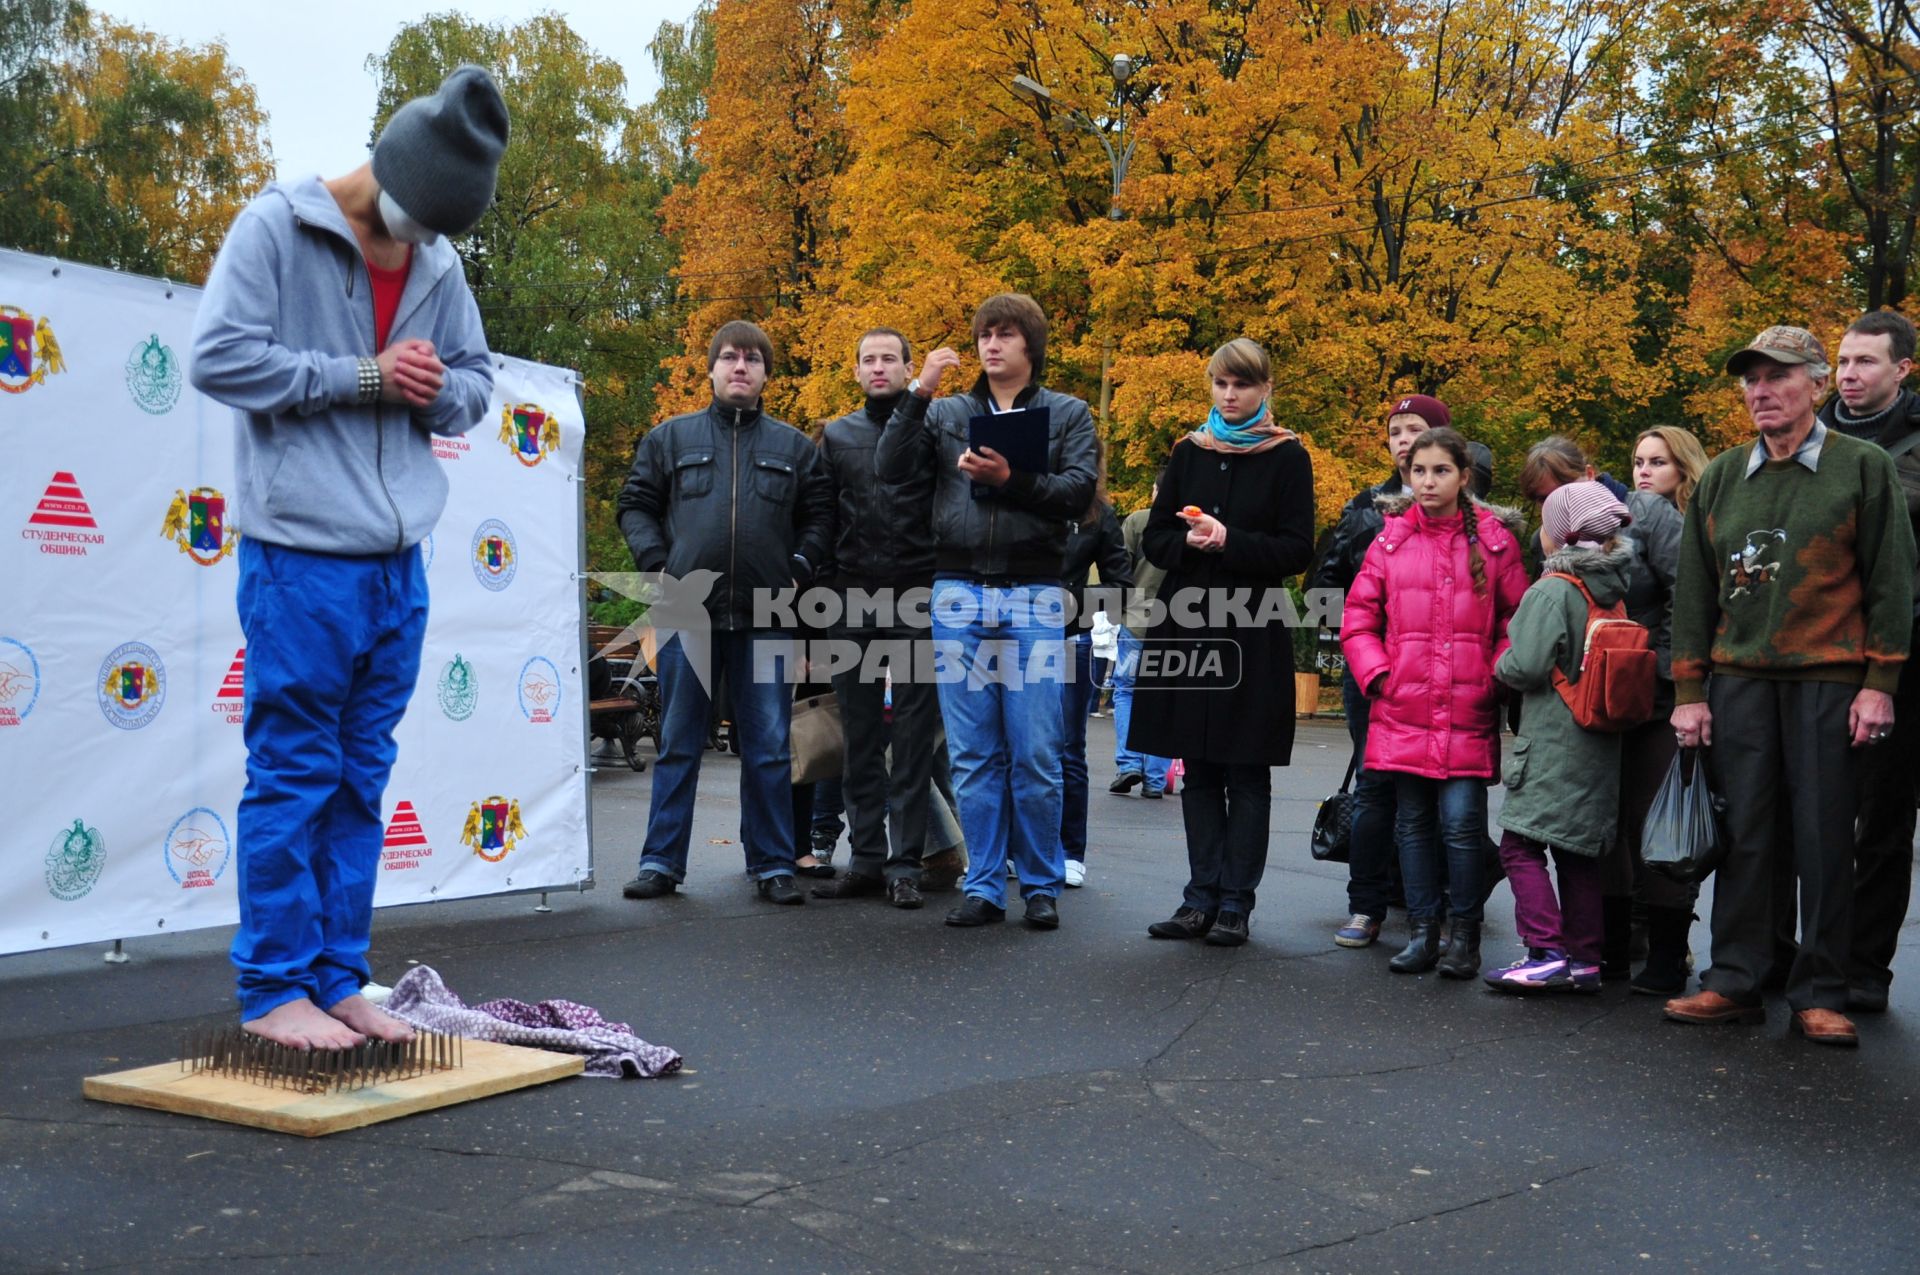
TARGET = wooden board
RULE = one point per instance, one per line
(489, 1069)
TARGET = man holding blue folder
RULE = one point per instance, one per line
(1013, 465)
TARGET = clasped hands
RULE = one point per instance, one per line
(410, 372)
(1204, 531)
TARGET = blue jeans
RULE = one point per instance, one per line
(1002, 652)
(1076, 701)
(1125, 670)
(1439, 817)
(333, 652)
(762, 703)
(1370, 854)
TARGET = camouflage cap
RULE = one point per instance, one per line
(1778, 344)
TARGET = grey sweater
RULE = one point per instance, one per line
(287, 315)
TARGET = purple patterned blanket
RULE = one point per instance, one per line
(423, 998)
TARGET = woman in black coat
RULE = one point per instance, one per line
(1233, 521)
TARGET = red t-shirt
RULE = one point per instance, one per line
(387, 287)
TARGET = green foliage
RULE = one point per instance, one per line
(570, 267)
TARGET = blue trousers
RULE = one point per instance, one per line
(1125, 672)
(1001, 700)
(333, 652)
(1441, 826)
(1076, 701)
(754, 665)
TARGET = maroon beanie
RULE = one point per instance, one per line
(1426, 407)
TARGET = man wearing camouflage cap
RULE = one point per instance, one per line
(338, 325)
(1790, 627)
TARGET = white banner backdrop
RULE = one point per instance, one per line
(121, 655)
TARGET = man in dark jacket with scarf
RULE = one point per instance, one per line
(1000, 535)
(733, 492)
(883, 552)
(1876, 354)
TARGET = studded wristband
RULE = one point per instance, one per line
(369, 381)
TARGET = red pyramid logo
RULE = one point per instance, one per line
(63, 505)
(231, 701)
(406, 842)
(235, 687)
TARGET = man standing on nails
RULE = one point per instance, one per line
(1791, 617)
(338, 326)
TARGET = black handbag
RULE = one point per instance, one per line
(1333, 825)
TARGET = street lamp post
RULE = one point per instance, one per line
(1118, 157)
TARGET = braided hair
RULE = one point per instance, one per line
(1455, 447)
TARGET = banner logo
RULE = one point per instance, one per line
(63, 521)
(197, 522)
(406, 841)
(493, 828)
(74, 861)
(198, 849)
(19, 681)
(530, 432)
(495, 561)
(539, 690)
(32, 353)
(133, 685)
(153, 377)
(231, 700)
(459, 689)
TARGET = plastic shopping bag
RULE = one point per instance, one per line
(1684, 835)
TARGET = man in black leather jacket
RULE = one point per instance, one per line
(732, 492)
(883, 549)
(998, 604)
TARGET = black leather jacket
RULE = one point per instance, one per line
(883, 532)
(1019, 532)
(1360, 521)
(731, 491)
(1098, 542)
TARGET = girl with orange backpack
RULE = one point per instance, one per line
(1563, 776)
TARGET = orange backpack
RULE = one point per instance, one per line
(1617, 668)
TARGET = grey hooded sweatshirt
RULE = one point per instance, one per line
(287, 315)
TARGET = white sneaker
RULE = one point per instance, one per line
(1076, 874)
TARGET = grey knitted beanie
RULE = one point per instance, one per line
(438, 155)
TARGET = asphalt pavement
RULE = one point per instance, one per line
(868, 1090)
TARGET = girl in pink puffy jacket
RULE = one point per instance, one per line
(1425, 620)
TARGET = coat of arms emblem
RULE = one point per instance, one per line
(32, 354)
(197, 522)
(493, 827)
(153, 377)
(531, 432)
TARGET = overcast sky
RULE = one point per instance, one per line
(308, 62)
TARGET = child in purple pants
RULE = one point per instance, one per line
(1563, 782)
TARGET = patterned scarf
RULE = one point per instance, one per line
(1255, 434)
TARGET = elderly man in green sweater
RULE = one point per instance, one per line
(1790, 627)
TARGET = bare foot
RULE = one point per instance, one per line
(361, 1014)
(301, 1025)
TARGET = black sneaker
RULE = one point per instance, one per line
(781, 889)
(1126, 779)
(649, 885)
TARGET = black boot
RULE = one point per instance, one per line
(1463, 950)
(1616, 937)
(1665, 973)
(1422, 950)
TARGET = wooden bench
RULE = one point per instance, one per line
(627, 709)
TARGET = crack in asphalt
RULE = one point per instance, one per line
(1495, 1198)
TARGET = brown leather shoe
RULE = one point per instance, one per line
(1712, 1007)
(1826, 1027)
